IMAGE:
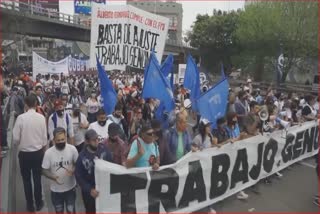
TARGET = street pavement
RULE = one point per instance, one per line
(292, 193)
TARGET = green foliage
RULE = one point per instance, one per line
(214, 36)
(254, 37)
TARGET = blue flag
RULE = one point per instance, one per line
(156, 85)
(223, 75)
(108, 93)
(167, 68)
(213, 104)
(192, 81)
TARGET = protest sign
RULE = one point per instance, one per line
(202, 178)
(122, 35)
(42, 66)
(66, 66)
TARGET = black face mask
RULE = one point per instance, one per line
(102, 123)
(60, 113)
(60, 146)
(76, 113)
(233, 123)
(93, 148)
(117, 116)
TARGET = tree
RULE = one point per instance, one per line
(214, 36)
(266, 27)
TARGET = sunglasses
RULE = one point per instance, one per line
(151, 134)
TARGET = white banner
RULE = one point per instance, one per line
(42, 66)
(202, 178)
(66, 66)
(122, 35)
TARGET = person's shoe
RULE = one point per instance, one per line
(278, 174)
(40, 206)
(255, 189)
(316, 202)
(242, 196)
(212, 211)
(4, 148)
(267, 181)
(3, 154)
(30, 209)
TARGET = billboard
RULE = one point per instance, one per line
(84, 6)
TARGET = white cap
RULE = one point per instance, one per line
(205, 121)
(187, 103)
(249, 80)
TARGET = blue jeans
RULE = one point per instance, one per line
(60, 199)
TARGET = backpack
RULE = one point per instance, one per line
(55, 120)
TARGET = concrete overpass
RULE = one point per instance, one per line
(19, 18)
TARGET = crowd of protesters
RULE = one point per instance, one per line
(61, 128)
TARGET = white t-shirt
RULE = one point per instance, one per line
(93, 107)
(65, 88)
(102, 131)
(56, 84)
(48, 83)
(58, 162)
(79, 132)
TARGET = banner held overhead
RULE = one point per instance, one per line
(122, 35)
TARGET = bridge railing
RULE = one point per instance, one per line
(35, 10)
(32, 9)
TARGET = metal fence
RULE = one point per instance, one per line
(34, 10)
(8, 172)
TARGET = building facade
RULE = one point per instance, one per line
(169, 9)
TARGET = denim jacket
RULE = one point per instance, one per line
(171, 137)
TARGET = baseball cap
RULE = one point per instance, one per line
(91, 135)
(58, 103)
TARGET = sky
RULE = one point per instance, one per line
(190, 8)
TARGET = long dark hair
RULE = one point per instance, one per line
(202, 131)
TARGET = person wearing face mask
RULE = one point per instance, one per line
(58, 165)
(84, 171)
(30, 133)
(115, 145)
(241, 106)
(80, 125)
(60, 118)
(101, 125)
(232, 128)
(308, 112)
(93, 107)
(75, 98)
(118, 118)
(220, 134)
